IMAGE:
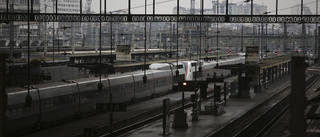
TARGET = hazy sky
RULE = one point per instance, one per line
(166, 6)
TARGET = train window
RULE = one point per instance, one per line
(138, 85)
(119, 89)
(159, 81)
(116, 88)
(193, 64)
(123, 88)
(130, 87)
(180, 66)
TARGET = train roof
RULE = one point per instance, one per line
(80, 80)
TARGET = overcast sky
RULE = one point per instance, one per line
(166, 6)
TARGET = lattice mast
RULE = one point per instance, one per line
(192, 7)
(88, 10)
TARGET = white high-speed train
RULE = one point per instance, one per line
(55, 103)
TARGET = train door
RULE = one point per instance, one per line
(122, 88)
(142, 90)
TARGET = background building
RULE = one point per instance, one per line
(67, 32)
(239, 9)
(296, 10)
(15, 33)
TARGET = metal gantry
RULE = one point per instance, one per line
(8, 16)
(60, 17)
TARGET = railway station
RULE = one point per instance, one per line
(175, 68)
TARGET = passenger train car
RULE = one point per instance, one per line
(60, 102)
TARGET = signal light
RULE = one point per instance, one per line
(276, 52)
(184, 83)
(230, 51)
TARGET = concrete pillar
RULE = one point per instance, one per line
(203, 92)
(256, 80)
(272, 73)
(283, 70)
(239, 83)
(269, 75)
(280, 72)
(286, 68)
(297, 98)
(276, 72)
(289, 67)
(264, 78)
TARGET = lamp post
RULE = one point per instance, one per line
(316, 47)
(45, 44)
(230, 40)
(253, 37)
(266, 42)
(190, 51)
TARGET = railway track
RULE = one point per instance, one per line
(244, 121)
(121, 127)
(255, 122)
(281, 126)
(258, 120)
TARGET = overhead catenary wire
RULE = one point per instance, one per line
(100, 85)
(293, 6)
(53, 34)
(39, 123)
(217, 35)
(232, 3)
(144, 6)
(145, 46)
(177, 46)
(28, 98)
(111, 58)
(162, 2)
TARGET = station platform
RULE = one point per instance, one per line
(208, 124)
